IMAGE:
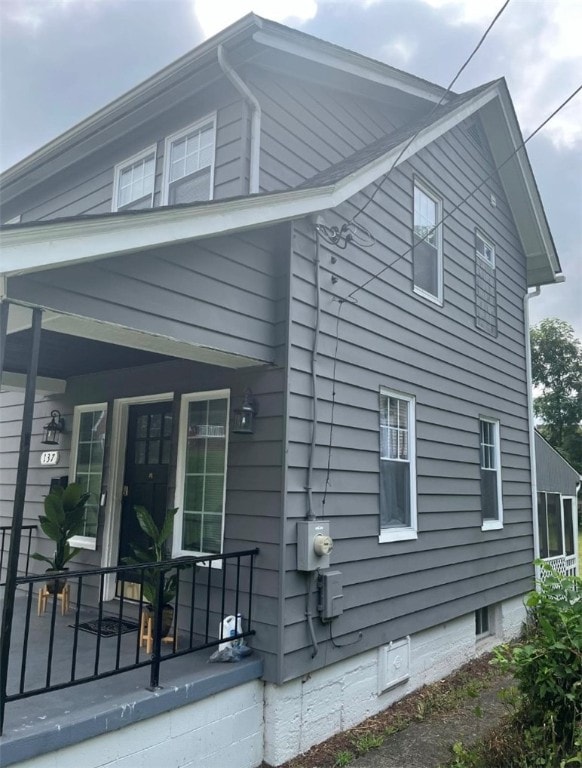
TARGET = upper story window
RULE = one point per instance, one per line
(134, 181)
(485, 285)
(397, 467)
(427, 257)
(491, 496)
(189, 163)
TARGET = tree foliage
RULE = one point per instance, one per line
(557, 370)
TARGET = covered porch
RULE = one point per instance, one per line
(115, 374)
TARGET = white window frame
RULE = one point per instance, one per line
(404, 533)
(83, 542)
(216, 394)
(492, 524)
(432, 195)
(210, 118)
(486, 242)
(152, 150)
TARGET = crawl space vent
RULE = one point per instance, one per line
(393, 664)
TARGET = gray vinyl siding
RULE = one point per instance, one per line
(395, 339)
(38, 481)
(220, 293)
(306, 127)
(86, 187)
(553, 473)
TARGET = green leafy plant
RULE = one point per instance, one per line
(367, 741)
(64, 512)
(343, 758)
(548, 667)
(156, 552)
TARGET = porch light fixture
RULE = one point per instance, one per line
(243, 419)
(53, 429)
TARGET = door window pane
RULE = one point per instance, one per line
(88, 467)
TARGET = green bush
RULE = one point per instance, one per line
(547, 666)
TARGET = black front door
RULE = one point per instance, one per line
(147, 460)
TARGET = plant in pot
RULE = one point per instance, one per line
(155, 552)
(64, 512)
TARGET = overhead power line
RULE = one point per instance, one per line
(468, 197)
(432, 111)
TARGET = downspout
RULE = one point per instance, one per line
(532, 449)
(246, 93)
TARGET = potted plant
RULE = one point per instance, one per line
(156, 552)
(64, 511)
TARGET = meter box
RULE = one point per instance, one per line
(331, 598)
(314, 545)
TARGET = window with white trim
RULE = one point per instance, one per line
(491, 496)
(87, 447)
(557, 525)
(397, 467)
(485, 285)
(202, 461)
(427, 255)
(133, 188)
(189, 163)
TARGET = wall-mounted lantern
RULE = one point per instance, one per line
(243, 419)
(53, 429)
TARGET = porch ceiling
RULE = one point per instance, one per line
(62, 355)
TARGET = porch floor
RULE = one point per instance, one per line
(50, 721)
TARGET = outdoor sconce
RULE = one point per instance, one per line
(243, 419)
(53, 429)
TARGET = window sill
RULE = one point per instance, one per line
(428, 296)
(83, 542)
(397, 534)
(492, 525)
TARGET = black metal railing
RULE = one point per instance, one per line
(73, 647)
(25, 545)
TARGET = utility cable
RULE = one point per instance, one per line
(497, 168)
(432, 111)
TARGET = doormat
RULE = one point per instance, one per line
(108, 627)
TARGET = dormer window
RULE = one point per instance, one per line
(189, 163)
(134, 181)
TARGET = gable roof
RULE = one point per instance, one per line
(45, 245)
(243, 40)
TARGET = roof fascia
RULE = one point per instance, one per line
(537, 215)
(350, 63)
(56, 244)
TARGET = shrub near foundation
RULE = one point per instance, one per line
(547, 666)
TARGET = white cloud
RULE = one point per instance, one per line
(399, 51)
(32, 14)
(214, 15)
(541, 60)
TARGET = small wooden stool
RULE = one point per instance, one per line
(64, 596)
(146, 633)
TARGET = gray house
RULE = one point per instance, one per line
(283, 288)
(558, 484)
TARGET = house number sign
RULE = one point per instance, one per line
(50, 458)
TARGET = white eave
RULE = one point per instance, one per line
(52, 244)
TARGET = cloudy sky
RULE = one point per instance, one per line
(63, 59)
